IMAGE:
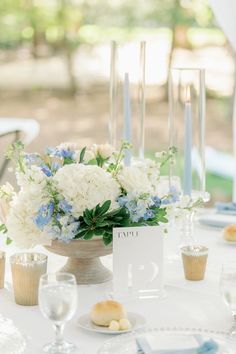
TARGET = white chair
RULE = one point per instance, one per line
(26, 129)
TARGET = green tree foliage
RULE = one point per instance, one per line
(55, 25)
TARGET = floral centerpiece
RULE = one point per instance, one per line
(70, 194)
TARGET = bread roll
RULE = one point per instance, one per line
(229, 233)
(104, 312)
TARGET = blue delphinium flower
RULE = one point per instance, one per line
(157, 201)
(50, 151)
(66, 153)
(55, 166)
(66, 230)
(122, 200)
(46, 170)
(44, 215)
(172, 197)
(138, 207)
(32, 158)
(148, 215)
(63, 153)
(65, 206)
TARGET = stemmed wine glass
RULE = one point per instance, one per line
(58, 303)
(228, 290)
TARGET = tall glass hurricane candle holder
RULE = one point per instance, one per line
(127, 97)
(187, 134)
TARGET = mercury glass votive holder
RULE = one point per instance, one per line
(2, 269)
(194, 261)
(27, 269)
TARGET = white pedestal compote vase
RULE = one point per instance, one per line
(83, 259)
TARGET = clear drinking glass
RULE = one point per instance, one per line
(58, 303)
(228, 290)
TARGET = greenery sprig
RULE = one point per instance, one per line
(100, 222)
(15, 153)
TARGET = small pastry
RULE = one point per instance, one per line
(124, 324)
(104, 312)
(114, 326)
(229, 233)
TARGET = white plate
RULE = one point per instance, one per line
(217, 220)
(137, 321)
(232, 243)
(168, 338)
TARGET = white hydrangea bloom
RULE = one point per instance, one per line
(134, 180)
(85, 186)
(20, 225)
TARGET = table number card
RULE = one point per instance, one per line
(138, 260)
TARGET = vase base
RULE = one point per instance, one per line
(87, 270)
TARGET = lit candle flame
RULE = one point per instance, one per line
(188, 95)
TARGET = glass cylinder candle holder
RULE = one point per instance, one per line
(127, 97)
(27, 269)
(187, 129)
(2, 269)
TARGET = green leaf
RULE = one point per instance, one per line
(81, 233)
(68, 161)
(87, 221)
(89, 235)
(89, 215)
(3, 228)
(98, 232)
(102, 224)
(92, 162)
(8, 241)
(81, 156)
(105, 207)
(107, 238)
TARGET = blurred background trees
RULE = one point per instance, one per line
(47, 27)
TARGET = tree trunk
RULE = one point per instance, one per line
(67, 49)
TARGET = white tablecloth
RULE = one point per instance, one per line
(186, 304)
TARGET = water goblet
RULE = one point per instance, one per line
(58, 303)
(228, 291)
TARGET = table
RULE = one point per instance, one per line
(186, 304)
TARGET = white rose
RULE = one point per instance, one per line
(67, 146)
(88, 156)
(134, 181)
(104, 150)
